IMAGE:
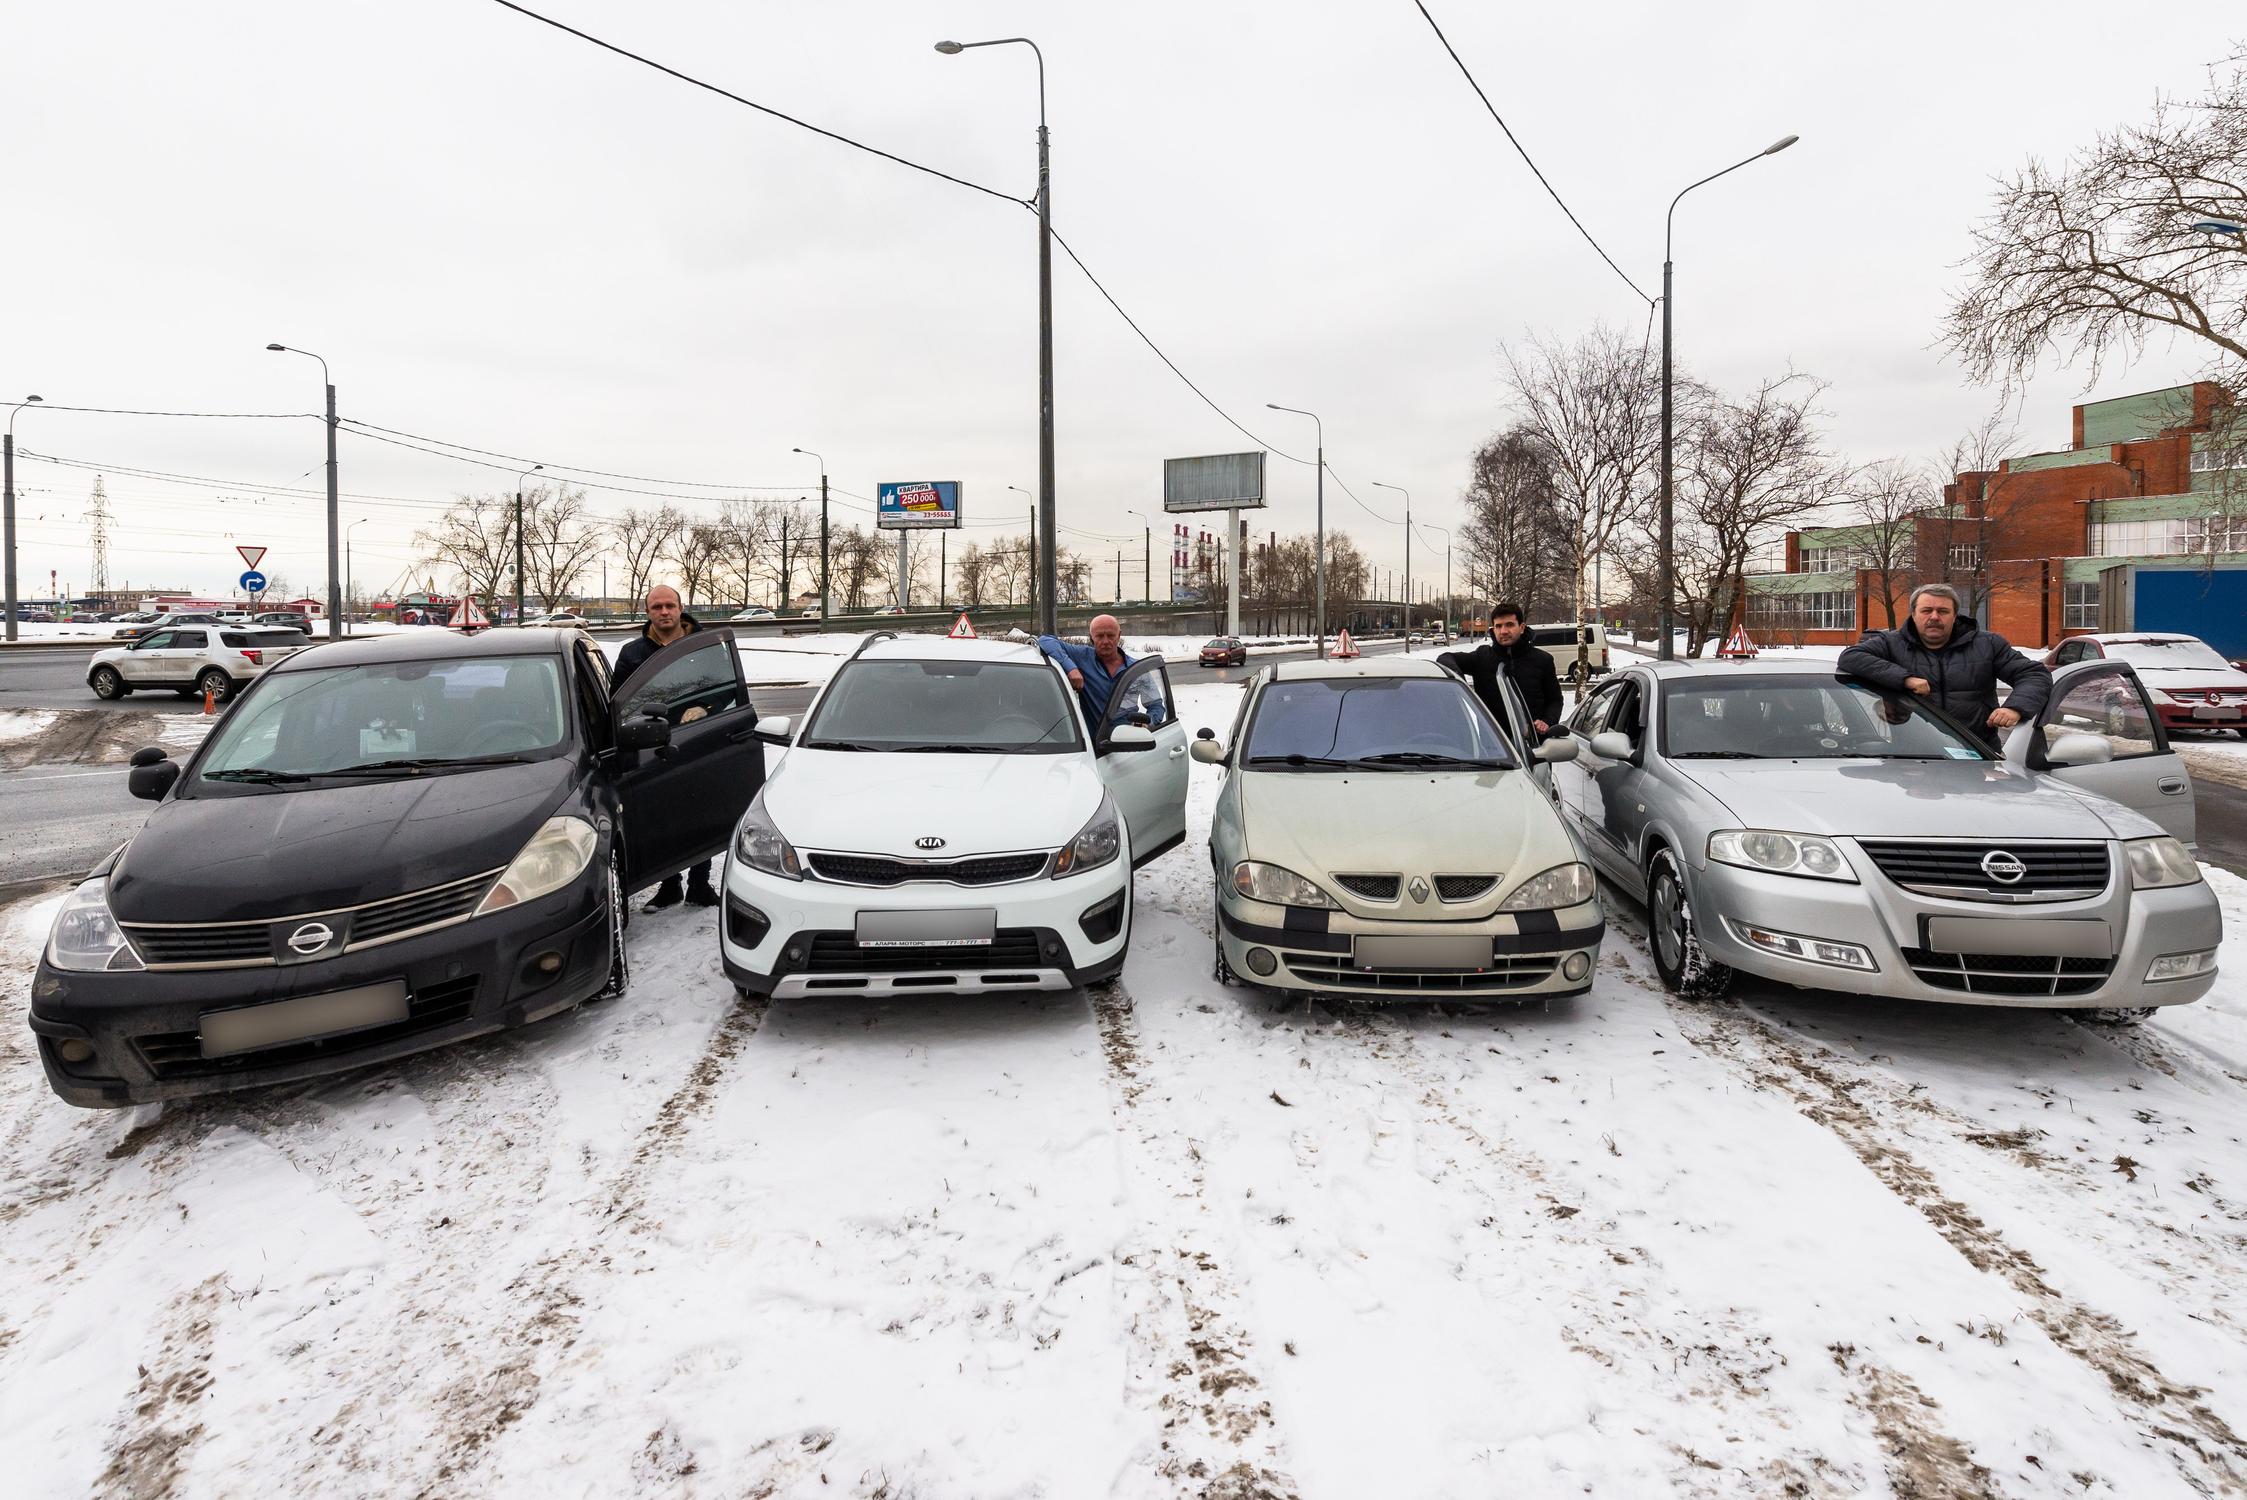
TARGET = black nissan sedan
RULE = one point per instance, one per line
(388, 844)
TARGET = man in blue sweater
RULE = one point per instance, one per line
(1093, 671)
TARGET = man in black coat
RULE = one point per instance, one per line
(668, 621)
(1946, 657)
(1508, 651)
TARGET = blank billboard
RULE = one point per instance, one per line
(1220, 481)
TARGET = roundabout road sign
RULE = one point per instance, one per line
(252, 582)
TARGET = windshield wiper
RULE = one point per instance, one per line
(256, 776)
(1299, 760)
(841, 745)
(1720, 755)
(952, 750)
(425, 763)
(1430, 758)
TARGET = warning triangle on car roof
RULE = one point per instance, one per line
(1344, 648)
(962, 628)
(466, 616)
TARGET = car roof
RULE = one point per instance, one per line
(1667, 670)
(1364, 666)
(919, 647)
(427, 645)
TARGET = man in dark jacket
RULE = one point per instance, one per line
(668, 621)
(1948, 659)
(1508, 651)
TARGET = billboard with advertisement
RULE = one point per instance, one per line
(1220, 481)
(917, 504)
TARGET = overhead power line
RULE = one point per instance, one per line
(552, 465)
(121, 411)
(1518, 147)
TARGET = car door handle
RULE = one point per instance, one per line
(742, 736)
(1177, 751)
(2174, 786)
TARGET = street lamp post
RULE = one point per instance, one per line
(1146, 549)
(519, 478)
(1400, 489)
(1668, 646)
(8, 544)
(335, 573)
(1047, 569)
(1318, 561)
(347, 557)
(1032, 601)
(1445, 607)
(823, 599)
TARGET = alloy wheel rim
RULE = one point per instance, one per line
(1669, 920)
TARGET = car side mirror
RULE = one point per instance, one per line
(2079, 750)
(775, 730)
(1129, 737)
(1208, 752)
(153, 774)
(1610, 745)
(1559, 748)
(648, 732)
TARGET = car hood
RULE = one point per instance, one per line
(1318, 823)
(1902, 799)
(859, 802)
(275, 853)
(2192, 679)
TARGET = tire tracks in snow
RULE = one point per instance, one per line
(1220, 1442)
(149, 1449)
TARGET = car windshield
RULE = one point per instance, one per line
(1803, 718)
(2166, 651)
(389, 718)
(1373, 723)
(960, 707)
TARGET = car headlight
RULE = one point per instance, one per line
(758, 844)
(1281, 887)
(87, 938)
(1780, 853)
(2159, 696)
(2159, 862)
(1096, 844)
(556, 855)
(1562, 885)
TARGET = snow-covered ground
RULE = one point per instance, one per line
(1170, 1239)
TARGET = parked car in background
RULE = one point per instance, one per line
(389, 844)
(286, 619)
(1818, 831)
(1562, 643)
(1378, 834)
(891, 609)
(132, 617)
(947, 819)
(1225, 651)
(561, 619)
(753, 612)
(177, 617)
(31, 614)
(2188, 681)
(192, 660)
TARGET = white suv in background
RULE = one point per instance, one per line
(192, 659)
(948, 819)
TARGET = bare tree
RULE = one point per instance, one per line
(1510, 543)
(1981, 514)
(561, 541)
(972, 570)
(697, 556)
(642, 538)
(1884, 499)
(475, 540)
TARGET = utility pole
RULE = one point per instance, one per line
(335, 572)
(825, 598)
(527, 473)
(1318, 607)
(786, 572)
(8, 543)
(942, 564)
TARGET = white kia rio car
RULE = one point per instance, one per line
(948, 819)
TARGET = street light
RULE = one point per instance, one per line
(806, 452)
(1318, 560)
(1400, 489)
(8, 544)
(1147, 550)
(1446, 609)
(1032, 601)
(2231, 227)
(335, 582)
(347, 557)
(1047, 569)
(1668, 649)
(519, 478)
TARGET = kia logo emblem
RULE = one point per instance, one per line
(2005, 868)
(311, 938)
(928, 841)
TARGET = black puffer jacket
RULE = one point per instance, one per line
(642, 646)
(1531, 668)
(1964, 673)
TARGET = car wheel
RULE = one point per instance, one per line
(106, 683)
(215, 685)
(2112, 1015)
(1677, 951)
(1220, 970)
(620, 967)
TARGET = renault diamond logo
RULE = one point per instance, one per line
(1419, 889)
(311, 938)
(2003, 867)
(928, 841)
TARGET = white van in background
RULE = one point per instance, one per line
(1560, 642)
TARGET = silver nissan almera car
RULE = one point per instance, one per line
(1819, 831)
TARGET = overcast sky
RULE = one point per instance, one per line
(503, 237)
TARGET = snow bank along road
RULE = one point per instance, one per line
(1165, 1239)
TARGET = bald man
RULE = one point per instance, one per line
(1093, 670)
(668, 621)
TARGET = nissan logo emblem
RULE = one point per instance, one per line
(311, 938)
(928, 841)
(2002, 867)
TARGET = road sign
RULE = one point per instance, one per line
(962, 629)
(252, 582)
(251, 557)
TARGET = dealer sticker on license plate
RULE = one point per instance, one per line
(972, 927)
(226, 1032)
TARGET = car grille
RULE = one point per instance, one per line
(1507, 971)
(179, 1054)
(871, 869)
(1953, 867)
(1463, 887)
(1371, 887)
(839, 953)
(250, 944)
(2009, 973)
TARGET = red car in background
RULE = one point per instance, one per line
(2187, 680)
(1225, 651)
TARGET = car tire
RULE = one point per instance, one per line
(620, 965)
(2112, 1015)
(214, 684)
(107, 683)
(1669, 920)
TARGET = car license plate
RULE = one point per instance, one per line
(1448, 953)
(2214, 711)
(970, 927)
(2066, 939)
(226, 1032)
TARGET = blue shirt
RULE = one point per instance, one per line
(1099, 682)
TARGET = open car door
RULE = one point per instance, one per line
(1147, 781)
(2103, 698)
(681, 802)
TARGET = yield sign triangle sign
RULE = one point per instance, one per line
(1343, 648)
(250, 555)
(467, 616)
(962, 629)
